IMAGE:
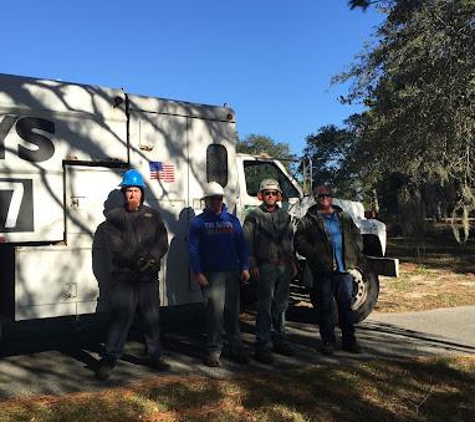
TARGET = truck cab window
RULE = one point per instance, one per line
(256, 171)
(217, 164)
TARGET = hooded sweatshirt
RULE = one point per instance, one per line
(216, 243)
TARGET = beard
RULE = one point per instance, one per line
(133, 203)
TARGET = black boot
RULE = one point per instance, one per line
(105, 367)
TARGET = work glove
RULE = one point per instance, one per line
(147, 264)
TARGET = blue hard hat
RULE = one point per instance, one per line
(132, 178)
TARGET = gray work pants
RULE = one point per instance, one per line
(221, 301)
(273, 289)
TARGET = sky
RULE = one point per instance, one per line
(271, 61)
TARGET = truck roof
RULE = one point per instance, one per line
(55, 95)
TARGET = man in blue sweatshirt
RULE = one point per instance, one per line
(220, 262)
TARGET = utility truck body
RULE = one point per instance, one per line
(63, 150)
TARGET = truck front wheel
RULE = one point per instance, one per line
(365, 294)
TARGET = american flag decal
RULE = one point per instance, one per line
(162, 171)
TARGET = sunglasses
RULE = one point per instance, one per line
(270, 193)
(215, 198)
(324, 195)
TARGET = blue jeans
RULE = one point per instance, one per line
(340, 287)
(273, 289)
(221, 301)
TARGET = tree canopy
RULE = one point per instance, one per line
(417, 79)
(262, 144)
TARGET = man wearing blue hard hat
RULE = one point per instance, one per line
(137, 240)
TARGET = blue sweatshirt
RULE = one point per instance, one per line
(216, 243)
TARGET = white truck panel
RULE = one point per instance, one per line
(90, 193)
(203, 133)
(49, 281)
(32, 206)
(65, 97)
(80, 122)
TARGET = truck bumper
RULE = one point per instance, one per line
(388, 267)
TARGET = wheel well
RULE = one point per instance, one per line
(372, 245)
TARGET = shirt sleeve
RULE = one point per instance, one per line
(160, 247)
(302, 244)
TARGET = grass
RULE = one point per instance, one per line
(409, 390)
(434, 273)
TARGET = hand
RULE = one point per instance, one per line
(295, 270)
(255, 273)
(201, 279)
(142, 264)
(245, 276)
(148, 263)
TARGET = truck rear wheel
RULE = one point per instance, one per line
(365, 294)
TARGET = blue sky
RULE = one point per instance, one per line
(271, 61)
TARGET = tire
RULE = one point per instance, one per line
(365, 295)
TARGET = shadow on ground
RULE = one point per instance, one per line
(60, 357)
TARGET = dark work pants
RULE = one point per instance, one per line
(126, 297)
(340, 287)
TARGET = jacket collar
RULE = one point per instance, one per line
(314, 214)
(264, 208)
(223, 212)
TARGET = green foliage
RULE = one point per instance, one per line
(340, 159)
(329, 149)
(262, 144)
(418, 80)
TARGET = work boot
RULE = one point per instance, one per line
(212, 360)
(327, 348)
(264, 356)
(283, 348)
(239, 356)
(104, 368)
(159, 364)
(351, 346)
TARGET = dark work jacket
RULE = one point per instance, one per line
(269, 236)
(312, 242)
(132, 235)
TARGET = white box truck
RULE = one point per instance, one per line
(63, 150)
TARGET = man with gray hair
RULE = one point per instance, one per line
(269, 236)
(332, 244)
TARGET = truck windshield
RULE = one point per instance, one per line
(256, 171)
